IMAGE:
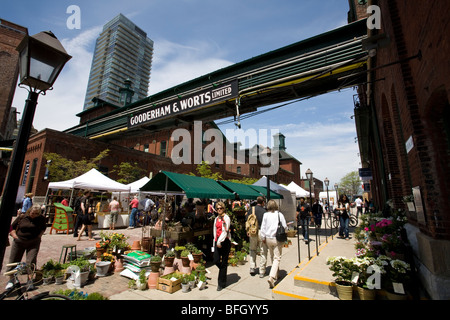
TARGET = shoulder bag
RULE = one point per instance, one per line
(281, 232)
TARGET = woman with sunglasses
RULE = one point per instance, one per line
(222, 243)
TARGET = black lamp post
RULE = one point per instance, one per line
(309, 176)
(327, 183)
(41, 59)
(337, 193)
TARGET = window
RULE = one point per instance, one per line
(238, 170)
(163, 150)
(32, 173)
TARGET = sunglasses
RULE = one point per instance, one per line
(220, 208)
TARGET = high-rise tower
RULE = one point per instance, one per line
(122, 52)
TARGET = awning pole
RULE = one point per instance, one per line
(163, 233)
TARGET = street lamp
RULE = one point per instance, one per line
(309, 176)
(41, 59)
(327, 183)
(337, 193)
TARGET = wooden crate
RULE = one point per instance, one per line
(168, 285)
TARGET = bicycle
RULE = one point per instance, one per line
(22, 289)
(334, 222)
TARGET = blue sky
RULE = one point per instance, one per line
(195, 37)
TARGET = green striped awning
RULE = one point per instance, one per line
(192, 186)
(243, 190)
(263, 191)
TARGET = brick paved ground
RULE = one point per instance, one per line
(51, 249)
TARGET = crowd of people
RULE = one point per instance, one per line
(28, 228)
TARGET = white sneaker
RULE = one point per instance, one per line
(9, 285)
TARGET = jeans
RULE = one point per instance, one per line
(343, 227)
(304, 223)
(133, 216)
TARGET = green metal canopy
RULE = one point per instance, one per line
(192, 186)
(263, 191)
(244, 191)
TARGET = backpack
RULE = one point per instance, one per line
(251, 225)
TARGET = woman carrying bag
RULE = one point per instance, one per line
(268, 233)
(222, 244)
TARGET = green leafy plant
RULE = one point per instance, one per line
(185, 253)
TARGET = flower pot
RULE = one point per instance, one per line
(153, 280)
(136, 245)
(395, 296)
(366, 294)
(185, 287)
(168, 261)
(192, 284)
(59, 280)
(155, 266)
(102, 268)
(100, 252)
(344, 290)
(185, 262)
(197, 257)
(141, 285)
(84, 277)
(47, 280)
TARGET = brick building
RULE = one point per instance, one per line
(403, 125)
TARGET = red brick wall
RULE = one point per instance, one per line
(411, 100)
(10, 37)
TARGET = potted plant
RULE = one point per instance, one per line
(342, 269)
(196, 254)
(202, 281)
(59, 276)
(364, 287)
(192, 279)
(47, 276)
(398, 274)
(168, 258)
(178, 250)
(141, 282)
(84, 268)
(409, 200)
(103, 266)
(155, 263)
(184, 258)
(185, 287)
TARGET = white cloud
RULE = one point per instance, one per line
(57, 109)
(175, 63)
(328, 149)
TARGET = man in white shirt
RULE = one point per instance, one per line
(358, 203)
(147, 209)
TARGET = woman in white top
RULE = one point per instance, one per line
(268, 231)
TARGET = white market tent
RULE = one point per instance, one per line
(299, 191)
(136, 185)
(287, 205)
(92, 180)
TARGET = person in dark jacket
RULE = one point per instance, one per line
(26, 231)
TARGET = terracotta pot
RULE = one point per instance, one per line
(119, 265)
(100, 252)
(197, 257)
(152, 281)
(185, 262)
(168, 261)
(136, 245)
